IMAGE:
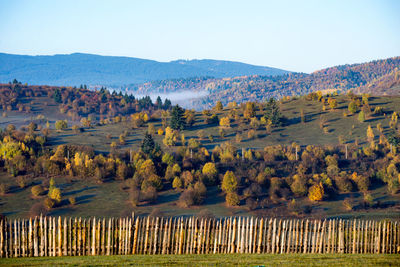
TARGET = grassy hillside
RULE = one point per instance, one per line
(111, 197)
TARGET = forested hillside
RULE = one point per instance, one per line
(374, 77)
(312, 156)
(75, 69)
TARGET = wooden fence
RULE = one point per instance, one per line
(56, 236)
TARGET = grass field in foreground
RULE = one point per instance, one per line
(212, 260)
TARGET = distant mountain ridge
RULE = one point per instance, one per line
(78, 68)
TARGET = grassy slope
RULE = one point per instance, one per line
(303, 134)
(109, 200)
(211, 260)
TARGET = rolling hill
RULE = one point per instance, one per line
(75, 69)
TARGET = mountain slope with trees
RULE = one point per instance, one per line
(75, 69)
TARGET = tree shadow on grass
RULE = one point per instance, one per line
(79, 190)
(84, 199)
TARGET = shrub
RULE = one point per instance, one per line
(134, 197)
(362, 182)
(72, 201)
(122, 171)
(21, 182)
(49, 203)
(149, 194)
(229, 182)
(316, 192)
(210, 172)
(3, 189)
(361, 116)
(187, 198)
(232, 199)
(368, 200)
(61, 125)
(177, 183)
(299, 185)
(348, 204)
(55, 194)
(251, 134)
(344, 185)
(187, 178)
(37, 190)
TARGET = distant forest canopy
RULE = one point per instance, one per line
(78, 68)
(374, 77)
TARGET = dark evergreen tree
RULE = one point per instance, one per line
(159, 102)
(57, 96)
(177, 118)
(148, 144)
(167, 104)
(392, 138)
(150, 148)
(103, 98)
(273, 113)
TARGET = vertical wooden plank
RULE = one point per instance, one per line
(93, 247)
(34, 238)
(170, 235)
(5, 222)
(147, 235)
(2, 238)
(84, 238)
(155, 236)
(260, 236)
(283, 237)
(279, 233)
(54, 228)
(305, 243)
(103, 237)
(322, 238)
(313, 237)
(216, 237)
(250, 245)
(269, 237)
(16, 254)
(295, 238)
(384, 237)
(239, 238)
(273, 242)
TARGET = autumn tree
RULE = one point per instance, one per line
(250, 110)
(316, 192)
(352, 107)
(210, 172)
(189, 117)
(170, 137)
(361, 116)
(225, 122)
(370, 134)
(219, 106)
(332, 103)
(61, 125)
(229, 182)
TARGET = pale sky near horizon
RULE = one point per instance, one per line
(301, 36)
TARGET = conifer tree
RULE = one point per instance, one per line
(177, 118)
(148, 144)
(273, 113)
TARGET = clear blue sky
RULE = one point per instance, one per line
(293, 35)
